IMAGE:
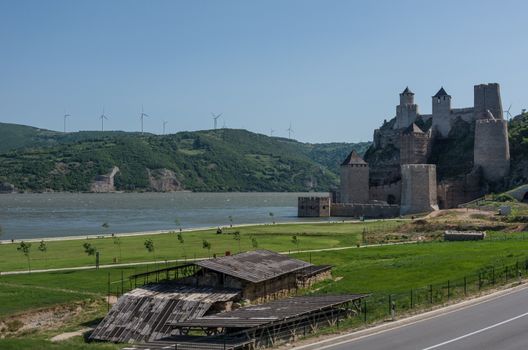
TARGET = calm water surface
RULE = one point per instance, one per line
(76, 214)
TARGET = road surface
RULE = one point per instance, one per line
(497, 322)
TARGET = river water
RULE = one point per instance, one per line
(77, 214)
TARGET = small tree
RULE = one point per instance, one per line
(236, 237)
(271, 216)
(149, 246)
(254, 243)
(182, 242)
(295, 241)
(207, 245)
(89, 248)
(25, 248)
(117, 242)
(43, 248)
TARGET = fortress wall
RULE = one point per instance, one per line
(415, 148)
(492, 151)
(452, 193)
(487, 97)
(313, 206)
(419, 190)
(405, 115)
(354, 183)
(382, 193)
(387, 137)
(365, 210)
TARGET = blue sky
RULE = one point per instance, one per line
(332, 68)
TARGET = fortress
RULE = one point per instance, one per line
(422, 162)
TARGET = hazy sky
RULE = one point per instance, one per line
(333, 69)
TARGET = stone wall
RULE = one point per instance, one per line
(419, 191)
(313, 206)
(415, 148)
(492, 150)
(354, 183)
(365, 210)
(453, 192)
(387, 193)
(488, 97)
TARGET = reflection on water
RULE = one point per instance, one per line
(71, 214)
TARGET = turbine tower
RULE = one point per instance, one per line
(141, 116)
(271, 132)
(164, 124)
(66, 115)
(103, 117)
(290, 131)
(215, 118)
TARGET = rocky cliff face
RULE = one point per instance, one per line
(163, 180)
(6, 187)
(104, 183)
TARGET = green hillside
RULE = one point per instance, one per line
(213, 160)
(518, 128)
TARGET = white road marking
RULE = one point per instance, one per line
(476, 332)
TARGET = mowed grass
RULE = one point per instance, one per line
(70, 253)
(386, 269)
(37, 343)
(392, 269)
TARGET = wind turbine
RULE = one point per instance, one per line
(290, 131)
(103, 117)
(141, 116)
(271, 132)
(164, 124)
(508, 112)
(215, 118)
(66, 115)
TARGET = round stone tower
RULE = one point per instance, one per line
(492, 149)
(419, 193)
(406, 111)
(354, 180)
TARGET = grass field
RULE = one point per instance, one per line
(70, 253)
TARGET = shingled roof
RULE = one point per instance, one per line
(255, 266)
(441, 93)
(353, 158)
(407, 91)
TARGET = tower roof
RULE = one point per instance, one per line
(407, 91)
(353, 158)
(413, 128)
(441, 93)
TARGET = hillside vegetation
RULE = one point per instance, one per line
(211, 160)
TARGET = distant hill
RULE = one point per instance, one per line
(213, 160)
(518, 129)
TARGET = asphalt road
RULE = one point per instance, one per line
(499, 323)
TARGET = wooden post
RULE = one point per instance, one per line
(431, 294)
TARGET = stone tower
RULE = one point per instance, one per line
(418, 188)
(406, 111)
(487, 97)
(354, 179)
(415, 145)
(492, 149)
(441, 113)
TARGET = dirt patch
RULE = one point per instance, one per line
(44, 319)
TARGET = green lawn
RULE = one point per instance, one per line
(37, 343)
(70, 253)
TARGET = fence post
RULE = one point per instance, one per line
(465, 286)
(122, 283)
(412, 299)
(390, 303)
(365, 311)
(108, 294)
(431, 294)
(493, 275)
(448, 290)
(480, 280)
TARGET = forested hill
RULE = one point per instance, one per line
(33, 159)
